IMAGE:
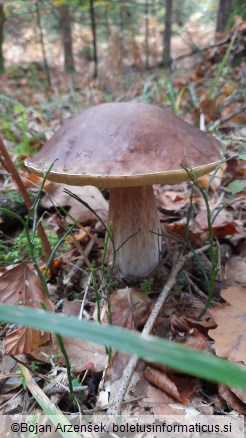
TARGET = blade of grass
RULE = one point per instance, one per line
(222, 65)
(54, 414)
(148, 347)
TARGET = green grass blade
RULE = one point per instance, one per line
(148, 347)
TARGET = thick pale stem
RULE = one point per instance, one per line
(133, 213)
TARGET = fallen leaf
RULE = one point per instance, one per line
(232, 400)
(206, 321)
(81, 235)
(128, 307)
(230, 334)
(235, 271)
(30, 180)
(224, 224)
(91, 195)
(82, 354)
(170, 200)
(20, 285)
(240, 393)
(178, 228)
(216, 181)
(180, 388)
(195, 340)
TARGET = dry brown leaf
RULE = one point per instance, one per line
(20, 285)
(82, 354)
(89, 194)
(170, 200)
(216, 182)
(232, 400)
(180, 388)
(223, 225)
(31, 180)
(235, 271)
(230, 334)
(240, 393)
(195, 234)
(206, 322)
(195, 340)
(128, 307)
(153, 400)
(81, 235)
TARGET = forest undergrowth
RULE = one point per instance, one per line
(201, 276)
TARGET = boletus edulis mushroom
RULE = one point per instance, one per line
(127, 147)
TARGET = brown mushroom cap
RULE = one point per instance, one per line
(125, 144)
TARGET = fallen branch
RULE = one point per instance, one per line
(115, 408)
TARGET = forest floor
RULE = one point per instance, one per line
(209, 91)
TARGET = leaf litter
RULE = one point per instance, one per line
(152, 389)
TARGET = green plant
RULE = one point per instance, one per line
(146, 285)
(30, 237)
(26, 147)
(148, 347)
(18, 249)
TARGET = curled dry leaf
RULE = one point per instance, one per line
(195, 340)
(232, 399)
(230, 334)
(180, 388)
(157, 402)
(91, 195)
(31, 180)
(216, 182)
(195, 234)
(20, 285)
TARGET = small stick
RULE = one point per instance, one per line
(115, 408)
(8, 164)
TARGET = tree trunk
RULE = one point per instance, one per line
(93, 28)
(167, 34)
(146, 34)
(2, 18)
(223, 15)
(122, 26)
(65, 26)
(41, 36)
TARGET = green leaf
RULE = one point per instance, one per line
(148, 347)
(242, 156)
(236, 186)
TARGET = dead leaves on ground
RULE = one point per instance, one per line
(55, 196)
(230, 334)
(21, 285)
(83, 355)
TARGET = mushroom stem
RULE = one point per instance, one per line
(134, 217)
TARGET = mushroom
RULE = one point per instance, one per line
(127, 147)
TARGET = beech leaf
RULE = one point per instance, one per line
(230, 334)
(21, 285)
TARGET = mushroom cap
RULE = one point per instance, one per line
(125, 144)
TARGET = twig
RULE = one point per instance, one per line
(115, 408)
(195, 287)
(84, 297)
(8, 164)
(73, 272)
(203, 49)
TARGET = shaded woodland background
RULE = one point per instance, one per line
(117, 35)
(187, 56)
